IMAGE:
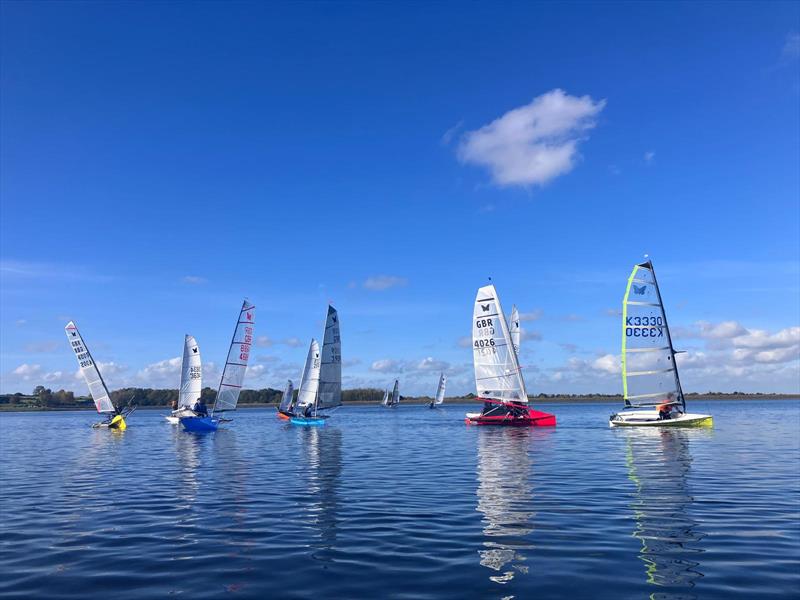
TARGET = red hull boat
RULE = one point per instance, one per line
(509, 414)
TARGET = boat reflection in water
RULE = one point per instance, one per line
(659, 461)
(505, 497)
(322, 459)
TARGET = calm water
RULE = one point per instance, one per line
(403, 503)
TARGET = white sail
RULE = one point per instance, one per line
(649, 373)
(497, 372)
(191, 374)
(286, 400)
(440, 390)
(385, 401)
(97, 387)
(236, 364)
(396, 393)
(330, 373)
(309, 383)
(514, 329)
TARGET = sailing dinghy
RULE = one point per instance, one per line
(385, 401)
(394, 399)
(232, 374)
(323, 381)
(498, 378)
(439, 392)
(651, 386)
(287, 401)
(115, 418)
(191, 381)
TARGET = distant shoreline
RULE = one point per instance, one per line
(589, 399)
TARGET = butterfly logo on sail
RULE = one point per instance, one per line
(485, 307)
(639, 289)
(249, 316)
(194, 350)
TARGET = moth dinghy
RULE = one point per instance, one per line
(439, 399)
(393, 399)
(287, 402)
(233, 373)
(498, 377)
(191, 381)
(651, 386)
(115, 417)
(321, 387)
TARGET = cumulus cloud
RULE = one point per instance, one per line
(535, 143)
(26, 372)
(164, 373)
(378, 283)
(431, 364)
(386, 365)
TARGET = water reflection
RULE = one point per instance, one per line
(322, 457)
(659, 461)
(505, 499)
(187, 453)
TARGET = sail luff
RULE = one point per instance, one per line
(233, 373)
(191, 385)
(88, 367)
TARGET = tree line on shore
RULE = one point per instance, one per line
(44, 398)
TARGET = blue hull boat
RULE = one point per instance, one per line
(316, 421)
(199, 424)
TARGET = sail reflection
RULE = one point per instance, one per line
(187, 453)
(323, 466)
(505, 499)
(659, 461)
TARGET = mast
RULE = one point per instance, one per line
(669, 336)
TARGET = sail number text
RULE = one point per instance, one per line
(644, 327)
(84, 360)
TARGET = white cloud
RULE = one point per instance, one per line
(386, 365)
(378, 283)
(431, 364)
(649, 156)
(448, 135)
(723, 330)
(791, 47)
(608, 363)
(535, 143)
(194, 280)
(533, 315)
(26, 372)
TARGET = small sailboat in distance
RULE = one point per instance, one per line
(394, 399)
(326, 392)
(115, 418)
(233, 373)
(191, 381)
(385, 401)
(651, 386)
(287, 401)
(439, 399)
(498, 378)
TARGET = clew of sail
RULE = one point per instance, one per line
(440, 390)
(396, 393)
(649, 373)
(309, 383)
(89, 370)
(191, 374)
(330, 373)
(514, 329)
(236, 364)
(286, 400)
(497, 372)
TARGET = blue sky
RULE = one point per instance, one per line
(160, 161)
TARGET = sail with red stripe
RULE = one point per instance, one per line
(236, 364)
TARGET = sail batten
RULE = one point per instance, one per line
(235, 368)
(191, 386)
(649, 373)
(309, 383)
(91, 374)
(494, 356)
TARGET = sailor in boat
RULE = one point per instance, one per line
(200, 408)
(175, 405)
(666, 408)
(307, 411)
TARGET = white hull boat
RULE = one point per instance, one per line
(651, 418)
